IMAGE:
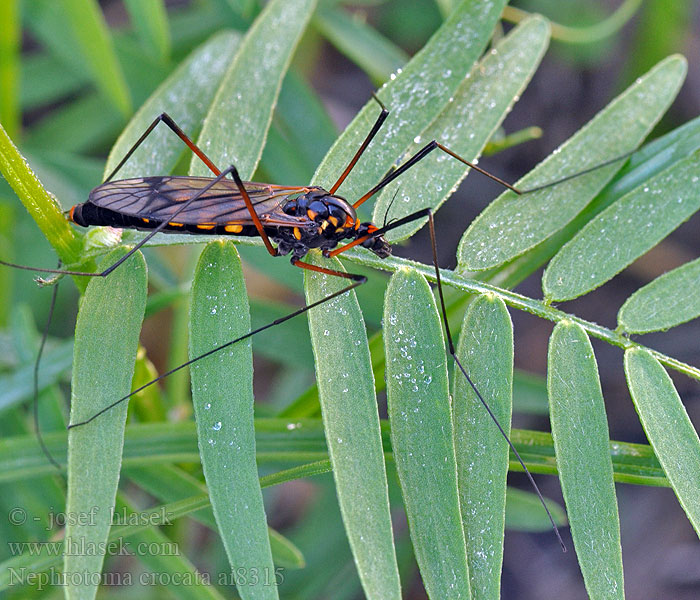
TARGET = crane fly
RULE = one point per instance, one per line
(290, 220)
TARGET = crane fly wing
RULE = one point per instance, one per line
(157, 199)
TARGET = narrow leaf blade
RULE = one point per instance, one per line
(668, 428)
(351, 423)
(222, 394)
(106, 339)
(365, 46)
(624, 231)
(94, 40)
(422, 434)
(669, 300)
(485, 350)
(185, 95)
(150, 21)
(235, 129)
(581, 443)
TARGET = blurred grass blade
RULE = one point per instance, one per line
(669, 300)
(236, 126)
(79, 127)
(465, 125)
(581, 443)
(304, 119)
(587, 34)
(624, 231)
(18, 386)
(422, 434)
(413, 97)
(171, 569)
(186, 95)
(40, 204)
(667, 427)
(48, 555)
(485, 350)
(9, 66)
(40, 84)
(351, 423)
(95, 43)
(106, 339)
(150, 20)
(522, 222)
(169, 483)
(524, 512)
(299, 440)
(222, 394)
(363, 45)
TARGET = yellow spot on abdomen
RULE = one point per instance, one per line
(233, 228)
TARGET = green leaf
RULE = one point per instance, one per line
(40, 203)
(485, 350)
(222, 395)
(48, 555)
(667, 427)
(524, 512)
(150, 20)
(351, 423)
(465, 125)
(304, 120)
(422, 434)
(18, 386)
(521, 222)
(581, 443)
(169, 483)
(92, 36)
(236, 126)
(106, 339)
(298, 440)
(669, 300)
(202, 71)
(363, 45)
(169, 566)
(77, 127)
(644, 164)
(624, 231)
(10, 34)
(414, 98)
(39, 84)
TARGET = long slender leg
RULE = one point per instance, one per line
(165, 118)
(378, 123)
(420, 155)
(428, 148)
(357, 281)
(251, 209)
